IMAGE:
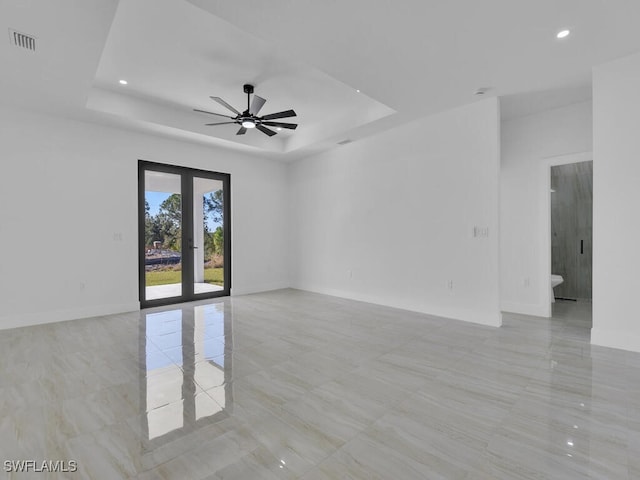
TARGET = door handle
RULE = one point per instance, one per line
(581, 247)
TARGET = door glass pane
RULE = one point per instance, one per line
(208, 225)
(163, 235)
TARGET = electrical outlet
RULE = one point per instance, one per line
(480, 232)
(450, 284)
(527, 282)
(350, 274)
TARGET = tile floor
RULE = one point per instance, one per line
(291, 385)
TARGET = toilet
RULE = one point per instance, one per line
(555, 281)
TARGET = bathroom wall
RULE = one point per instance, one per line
(571, 228)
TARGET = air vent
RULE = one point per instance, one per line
(22, 40)
(344, 142)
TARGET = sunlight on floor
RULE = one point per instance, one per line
(175, 290)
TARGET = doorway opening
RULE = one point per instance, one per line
(184, 234)
(571, 219)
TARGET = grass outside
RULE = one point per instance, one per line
(165, 277)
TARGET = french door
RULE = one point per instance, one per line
(184, 234)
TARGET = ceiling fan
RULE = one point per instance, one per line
(249, 118)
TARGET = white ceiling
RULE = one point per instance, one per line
(409, 58)
(529, 103)
(175, 54)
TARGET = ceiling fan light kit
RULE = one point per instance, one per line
(249, 118)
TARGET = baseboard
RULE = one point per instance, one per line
(482, 318)
(615, 339)
(263, 287)
(526, 309)
(53, 316)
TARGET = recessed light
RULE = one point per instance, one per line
(123, 82)
(357, 91)
(279, 128)
(563, 34)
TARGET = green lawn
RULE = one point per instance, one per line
(211, 275)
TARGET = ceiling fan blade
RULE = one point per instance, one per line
(242, 131)
(225, 104)
(211, 113)
(290, 126)
(265, 130)
(256, 104)
(285, 114)
(221, 123)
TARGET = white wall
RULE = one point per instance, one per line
(616, 195)
(389, 219)
(526, 145)
(66, 187)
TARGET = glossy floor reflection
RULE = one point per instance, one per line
(290, 384)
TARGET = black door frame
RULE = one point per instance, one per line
(186, 177)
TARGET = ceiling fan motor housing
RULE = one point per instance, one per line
(249, 118)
